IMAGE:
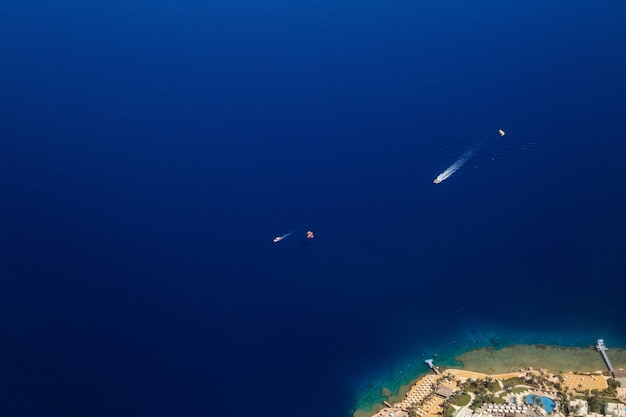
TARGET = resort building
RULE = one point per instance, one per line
(615, 409)
(444, 391)
(579, 407)
(505, 409)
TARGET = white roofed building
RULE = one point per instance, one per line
(579, 407)
(615, 409)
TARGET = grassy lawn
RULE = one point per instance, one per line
(449, 411)
(511, 382)
(463, 400)
(494, 387)
(517, 390)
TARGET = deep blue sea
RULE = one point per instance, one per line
(151, 151)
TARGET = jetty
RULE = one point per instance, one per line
(600, 347)
(431, 365)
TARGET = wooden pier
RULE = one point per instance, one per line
(600, 347)
(431, 365)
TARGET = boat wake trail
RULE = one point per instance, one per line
(308, 235)
(283, 237)
(455, 166)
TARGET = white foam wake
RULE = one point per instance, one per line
(455, 166)
(279, 238)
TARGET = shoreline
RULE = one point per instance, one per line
(491, 361)
(556, 359)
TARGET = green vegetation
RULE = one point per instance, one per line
(462, 400)
(489, 398)
(475, 388)
(596, 400)
(612, 387)
(596, 404)
(482, 386)
(485, 390)
(511, 382)
(494, 386)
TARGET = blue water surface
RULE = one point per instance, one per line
(546, 403)
(153, 149)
